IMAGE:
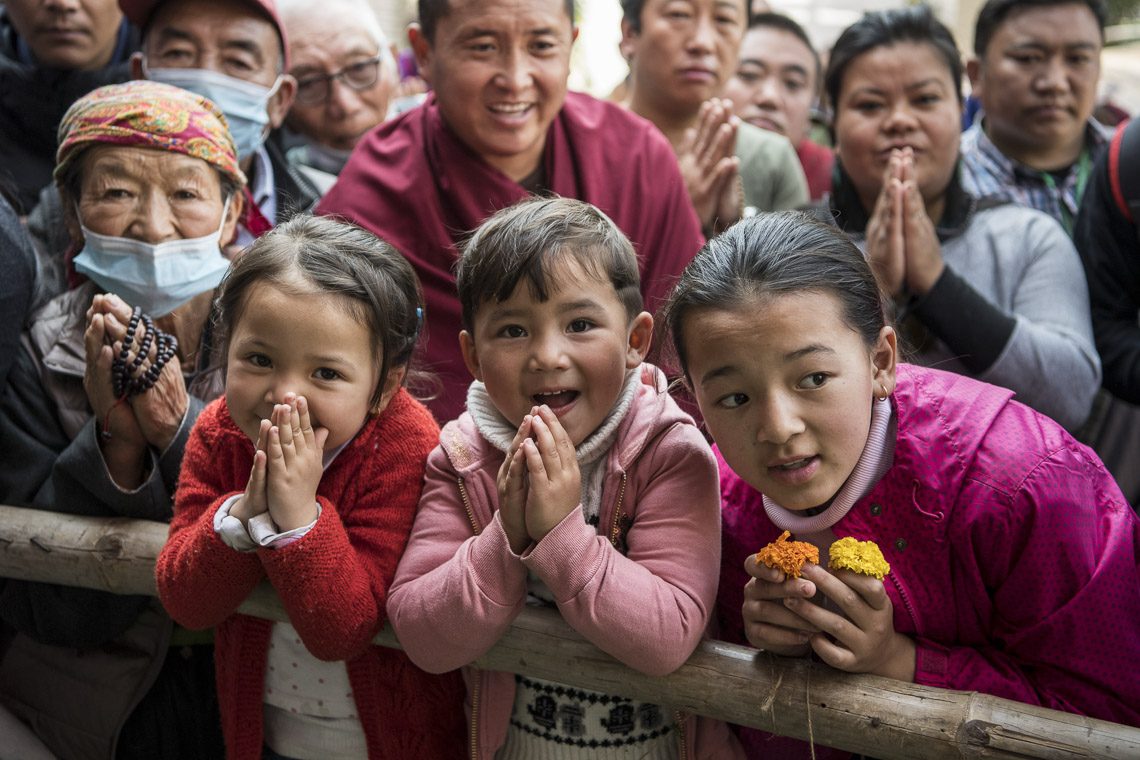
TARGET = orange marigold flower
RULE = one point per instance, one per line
(788, 556)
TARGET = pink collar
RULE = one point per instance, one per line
(867, 471)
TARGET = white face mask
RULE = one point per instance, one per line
(155, 277)
(244, 104)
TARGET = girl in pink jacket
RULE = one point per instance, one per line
(1013, 566)
(572, 479)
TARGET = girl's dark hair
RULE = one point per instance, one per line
(915, 24)
(313, 253)
(776, 254)
(527, 240)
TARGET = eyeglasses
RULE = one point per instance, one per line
(314, 90)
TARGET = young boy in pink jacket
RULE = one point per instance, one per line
(572, 479)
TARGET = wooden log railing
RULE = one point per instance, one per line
(792, 697)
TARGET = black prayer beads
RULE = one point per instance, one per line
(130, 379)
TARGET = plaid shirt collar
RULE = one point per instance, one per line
(987, 172)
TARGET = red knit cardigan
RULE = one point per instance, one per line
(333, 582)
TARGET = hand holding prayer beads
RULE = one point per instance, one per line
(132, 376)
(133, 381)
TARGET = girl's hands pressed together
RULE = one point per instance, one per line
(768, 623)
(863, 638)
(555, 484)
(253, 502)
(512, 487)
(295, 464)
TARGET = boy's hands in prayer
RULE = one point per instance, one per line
(512, 487)
(554, 483)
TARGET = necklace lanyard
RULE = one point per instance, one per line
(1084, 167)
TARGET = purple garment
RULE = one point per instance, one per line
(1013, 554)
(406, 63)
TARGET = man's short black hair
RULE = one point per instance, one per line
(631, 13)
(531, 242)
(431, 11)
(995, 12)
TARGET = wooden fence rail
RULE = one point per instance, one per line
(792, 697)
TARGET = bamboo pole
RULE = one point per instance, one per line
(791, 697)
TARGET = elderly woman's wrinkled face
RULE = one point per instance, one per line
(337, 113)
(892, 97)
(151, 195)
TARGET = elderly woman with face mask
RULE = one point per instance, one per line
(109, 380)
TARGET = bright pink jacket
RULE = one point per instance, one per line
(641, 586)
(1013, 554)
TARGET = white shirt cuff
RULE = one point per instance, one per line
(265, 532)
(230, 529)
(261, 531)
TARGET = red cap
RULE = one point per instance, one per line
(138, 12)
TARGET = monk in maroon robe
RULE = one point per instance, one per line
(500, 126)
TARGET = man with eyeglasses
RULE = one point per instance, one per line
(345, 76)
(233, 52)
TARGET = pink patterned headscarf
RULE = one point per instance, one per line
(148, 115)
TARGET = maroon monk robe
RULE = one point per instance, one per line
(413, 183)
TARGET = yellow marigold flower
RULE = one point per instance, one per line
(862, 557)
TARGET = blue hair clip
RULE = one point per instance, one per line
(419, 323)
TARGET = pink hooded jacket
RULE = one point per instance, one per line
(641, 586)
(1013, 554)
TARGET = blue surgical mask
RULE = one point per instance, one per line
(243, 103)
(157, 278)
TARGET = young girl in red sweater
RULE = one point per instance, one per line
(307, 472)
